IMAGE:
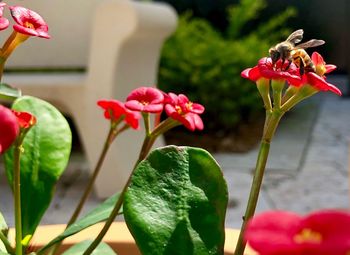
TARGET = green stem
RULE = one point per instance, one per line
(263, 86)
(17, 196)
(9, 46)
(110, 138)
(270, 128)
(2, 66)
(7, 244)
(111, 135)
(147, 121)
(291, 91)
(147, 144)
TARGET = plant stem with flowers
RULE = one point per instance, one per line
(267, 74)
(26, 121)
(150, 100)
(116, 112)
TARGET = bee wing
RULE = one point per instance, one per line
(296, 36)
(310, 44)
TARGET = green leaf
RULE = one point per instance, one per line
(3, 225)
(176, 203)
(8, 92)
(4, 253)
(46, 150)
(98, 214)
(2, 248)
(79, 249)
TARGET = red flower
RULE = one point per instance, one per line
(286, 233)
(319, 83)
(318, 80)
(184, 111)
(25, 119)
(145, 99)
(4, 23)
(29, 22)
(320, 64)
(118, 110)
(9, 128)
(266, 69)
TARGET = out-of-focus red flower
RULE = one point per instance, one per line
(278, 71)
(145, 99)
(9, 128)
(324, 232)
(4, 23)
(183, 110)
(118, 110)
(29, 22)
(25, 119)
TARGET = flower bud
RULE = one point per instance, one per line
(9, 128)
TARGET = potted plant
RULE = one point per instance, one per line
(175, 199)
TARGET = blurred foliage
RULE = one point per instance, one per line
(206, 64)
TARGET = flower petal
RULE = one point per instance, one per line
(317, 59)
(132, 119)
(252, 74)
(29, 22)
(330, 68)
(197, 108)
(321, 84)
(4, 23)
(25, 119)
(272, 232)
(145, 99)
(115, 107)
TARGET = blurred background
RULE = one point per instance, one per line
(216, 40)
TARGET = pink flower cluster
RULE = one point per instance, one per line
(152, 100)
(280, 71)
(27, 21)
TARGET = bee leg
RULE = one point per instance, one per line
(302, 66)
(299, 62)
(289, 63)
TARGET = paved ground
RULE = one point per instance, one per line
(307, 168)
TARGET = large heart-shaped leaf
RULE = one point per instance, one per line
(46, 152)
(176, 203)
(96, 215)
(79, 248)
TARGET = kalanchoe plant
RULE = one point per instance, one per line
(273, 76)
(41, 143)
(175, 199)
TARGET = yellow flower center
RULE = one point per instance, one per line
(189, 105)
(321, 70)
(29, 25)
(178, 109)
(308, 236)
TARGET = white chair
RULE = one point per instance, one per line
(119, 42)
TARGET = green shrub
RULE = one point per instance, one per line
(206, 64)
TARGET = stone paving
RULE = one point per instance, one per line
(307, 167)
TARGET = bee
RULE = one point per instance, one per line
(288, 50)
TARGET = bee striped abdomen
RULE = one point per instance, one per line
(302, 60)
